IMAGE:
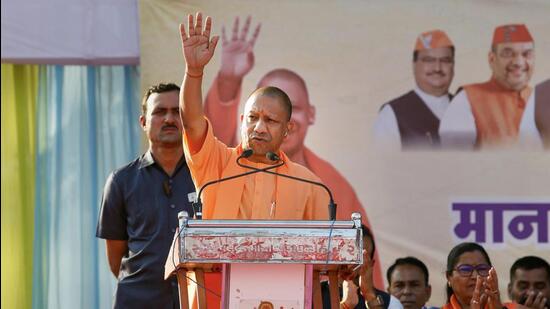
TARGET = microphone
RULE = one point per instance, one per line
(246, 154)
(274, 157)
(197, 205)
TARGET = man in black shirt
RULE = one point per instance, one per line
(140, 204)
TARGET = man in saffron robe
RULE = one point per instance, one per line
(222, 106)
(265, 124)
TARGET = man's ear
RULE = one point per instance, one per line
(311, 115)
(491, 57)
(142, 122)
(510, 292)
(428, 292)
(242, 117)
(289, 128)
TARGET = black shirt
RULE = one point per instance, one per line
(140, 204)
(418, 125)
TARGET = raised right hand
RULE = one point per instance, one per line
(197, 47)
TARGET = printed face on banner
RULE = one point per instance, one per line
(162, 123)
(434, 70)
(513, 64)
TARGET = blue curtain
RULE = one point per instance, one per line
(87, 125)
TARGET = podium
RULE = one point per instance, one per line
(264, 263)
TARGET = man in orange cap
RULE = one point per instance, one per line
(499, 112)
(412, 120)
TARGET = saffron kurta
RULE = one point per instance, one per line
(224, 123)
(256, 196)
(488, 115)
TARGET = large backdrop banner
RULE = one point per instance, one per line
(340, 62)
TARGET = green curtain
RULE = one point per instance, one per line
(19, 93)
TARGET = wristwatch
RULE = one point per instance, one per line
(374, 303)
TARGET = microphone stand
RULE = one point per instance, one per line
(273, 157)
(197, 205)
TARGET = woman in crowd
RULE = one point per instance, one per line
(472, 281)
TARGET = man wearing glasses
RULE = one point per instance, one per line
(412, 120)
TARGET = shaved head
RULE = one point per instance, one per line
(275, 93)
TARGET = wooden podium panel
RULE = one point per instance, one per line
(263, 258)
(244, 293)
(209, 241)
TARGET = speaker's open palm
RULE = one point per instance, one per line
(197, 46)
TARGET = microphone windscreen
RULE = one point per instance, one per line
(247, 153)
(272, 156)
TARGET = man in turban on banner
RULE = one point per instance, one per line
(499, 112)
(412, 120)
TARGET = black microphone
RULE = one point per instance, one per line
(274, 157)
(197, 205)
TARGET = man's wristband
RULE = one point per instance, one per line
(193, 76)
(344, 306)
